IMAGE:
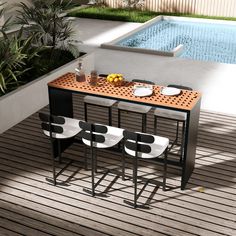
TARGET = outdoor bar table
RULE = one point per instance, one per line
(60, 102)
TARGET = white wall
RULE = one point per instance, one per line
(1, 18)
(11, 6)
(12, 2)
(28, 99)
(225, 8)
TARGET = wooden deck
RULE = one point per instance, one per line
(30, 205)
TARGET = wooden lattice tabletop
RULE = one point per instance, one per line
(184, 101)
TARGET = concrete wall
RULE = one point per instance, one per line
(28, 99)
(13, 2)
(2, 17)
(11, 6)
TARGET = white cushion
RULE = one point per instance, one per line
(70, 129)
(71, 122)
(170, 114)
(127, 106)
(112, 137)
(157, 147)
(99, 101)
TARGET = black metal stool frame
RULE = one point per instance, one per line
(144, 115)
(109, 112)
(109, 108)
(144, 118)
(144, 148)
(90, 136)
(175, 142)
(52, 124)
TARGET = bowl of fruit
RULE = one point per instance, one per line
(115, 79)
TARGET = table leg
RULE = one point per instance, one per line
(60, 104)
(190, 144)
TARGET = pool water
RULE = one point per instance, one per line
(202, 41)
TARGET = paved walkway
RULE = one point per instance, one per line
(94, 32)
(216, 81)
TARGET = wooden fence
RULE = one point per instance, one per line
(225, 8)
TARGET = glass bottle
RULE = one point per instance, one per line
(79, 72)
(93, 78)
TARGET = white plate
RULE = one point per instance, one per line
(142, 91)
(169, 91)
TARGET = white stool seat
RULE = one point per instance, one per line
(145, 146)
(70, 129)
(58, 128)
(127, 106)
(71, 122)
(67, 133)
(157, 147)
(99, 101)
(112, 137)
(98, 136)
(170, 114)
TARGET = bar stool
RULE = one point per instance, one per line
(143, 146)
(135, 108)
(99, 102)
(98, 136)
(58, 128)
(179, 117)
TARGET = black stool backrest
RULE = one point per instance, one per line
(180, 87)
(143, 81)
(51, 119)
(132, 141)
(51, 123)
(103, 75)
(52, 128)
(88, 132)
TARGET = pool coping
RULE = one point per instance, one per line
(175, 52)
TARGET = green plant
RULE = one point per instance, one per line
(134, 15)
(45, 20)
(12, 63)
(134, 4)
(23, 58)
(12, 57)
(117, 14)
(15, 52)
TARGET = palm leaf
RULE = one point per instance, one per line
(1, 88)
(44, 21)
(12, 75)
(2, 82)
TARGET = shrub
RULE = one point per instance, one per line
(15, 53)
(28, 54)
(44, 20)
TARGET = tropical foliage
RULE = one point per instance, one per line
(38, 47)
(16, 54)
(44, 19)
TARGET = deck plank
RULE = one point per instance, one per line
(30, 205)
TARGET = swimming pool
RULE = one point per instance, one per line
(205, 41)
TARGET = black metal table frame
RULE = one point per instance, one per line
(61, 103)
